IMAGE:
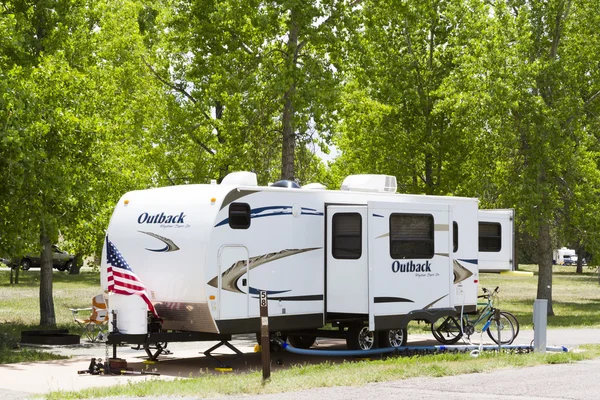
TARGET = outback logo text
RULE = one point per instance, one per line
(410, 266)
(161, 218)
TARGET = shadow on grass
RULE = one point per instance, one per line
(12, 352)
(31, 278)
(569, 314)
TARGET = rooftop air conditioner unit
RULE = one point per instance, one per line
(241, 178)
(370, 183)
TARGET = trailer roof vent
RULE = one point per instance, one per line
(284, 183)
(370, 183)
(241, 178)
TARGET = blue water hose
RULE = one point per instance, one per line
(399, 350)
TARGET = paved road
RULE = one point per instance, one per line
(572, 381)
(564, 381)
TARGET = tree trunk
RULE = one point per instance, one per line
(288, 149)
(544, 245)
(289, 138)
(223, 168)
(579, 252)
(47, 316)
(77, 264)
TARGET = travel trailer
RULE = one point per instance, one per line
(564, 256)
(496, 241)
(363, 259)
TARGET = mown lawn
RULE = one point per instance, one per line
(576, 300)
(302, 377)
(20, 309)
(576, 297)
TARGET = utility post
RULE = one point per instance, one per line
(540, 322)
(264, 335)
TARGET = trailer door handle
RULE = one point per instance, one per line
(244, 282)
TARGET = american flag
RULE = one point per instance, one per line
(122, 279)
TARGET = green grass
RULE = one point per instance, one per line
(576, 299)
(357, 373)
(20, 309)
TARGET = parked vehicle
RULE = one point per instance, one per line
(569, 260)
(61, 260)
(564, 256)
(364, 259)
(5, 261)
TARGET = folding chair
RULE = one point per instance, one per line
(95, 325)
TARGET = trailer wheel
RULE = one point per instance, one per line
(301, 341)
(360, 338)
(392, 338)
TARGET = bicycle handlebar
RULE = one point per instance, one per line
(487, 293)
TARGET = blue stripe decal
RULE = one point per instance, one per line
(377, 215)
(270, 212)
(476, 262)
(256, 291)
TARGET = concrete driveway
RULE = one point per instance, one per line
(549, 381)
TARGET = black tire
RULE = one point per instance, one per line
(447, 330)
(507, 331)
(360, 338)
(68, 265)
(301, 341)
(25, 264)
(392, 338)
(514, 321)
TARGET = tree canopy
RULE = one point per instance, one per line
(495, 100)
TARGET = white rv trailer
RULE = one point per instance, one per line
(358, 257)
(558, 256)
(496, 240)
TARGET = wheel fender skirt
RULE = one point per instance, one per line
(401, 321)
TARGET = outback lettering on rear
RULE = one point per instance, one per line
(397, 266)
(161, 218)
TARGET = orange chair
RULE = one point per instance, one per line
(95, 325)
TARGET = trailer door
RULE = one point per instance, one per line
(410, 260)
(347, 275)
(233, 282)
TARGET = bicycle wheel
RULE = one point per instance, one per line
(507, 330)
(446, 330)
(514, 321)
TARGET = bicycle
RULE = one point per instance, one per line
(449, 330)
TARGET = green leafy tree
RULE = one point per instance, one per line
(75, 115)
(395, 118)
(253, 83)
(536, 91)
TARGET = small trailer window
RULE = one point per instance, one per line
(346, 236)
(239, 216)
(490, 237)
(411, 236)
(454, 237)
